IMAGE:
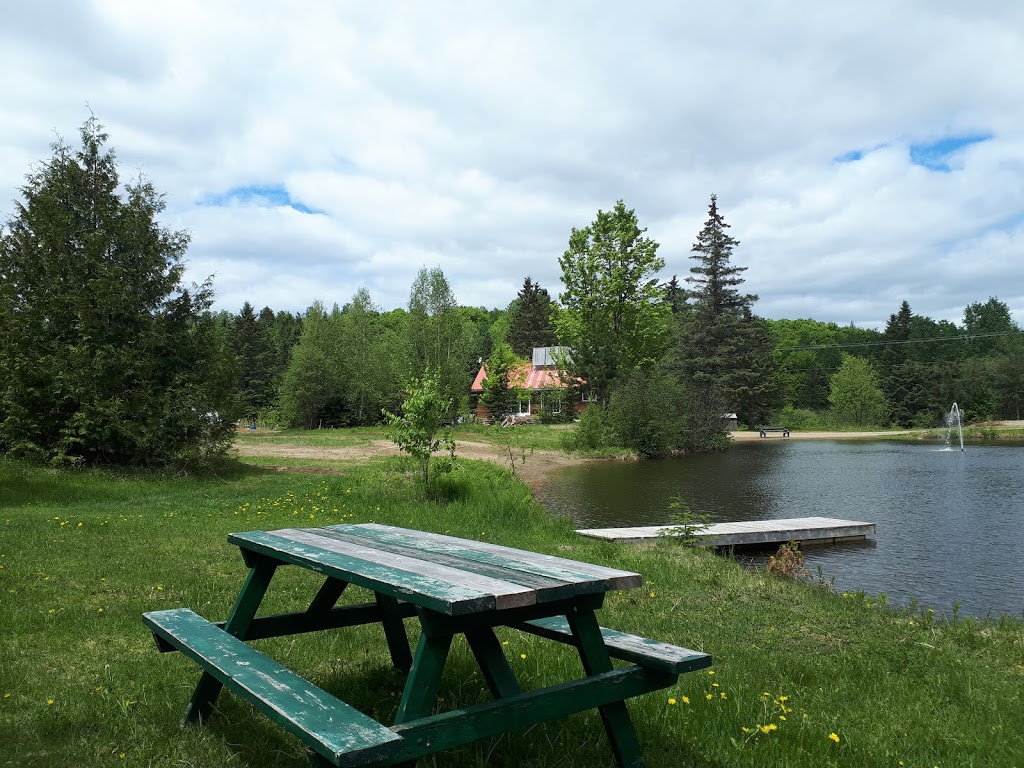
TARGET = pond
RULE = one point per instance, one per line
(950, 524)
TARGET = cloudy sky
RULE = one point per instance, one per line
(863, 152)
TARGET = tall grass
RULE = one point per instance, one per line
(83, 554)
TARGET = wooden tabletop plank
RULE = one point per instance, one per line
(558, 567)
(507, 594)
(495, 566)
(428, 592)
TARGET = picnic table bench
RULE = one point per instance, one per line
(765, 430)
(452, 586)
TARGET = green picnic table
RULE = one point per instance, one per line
(451, 586)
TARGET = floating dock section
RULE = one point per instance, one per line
(806, 530)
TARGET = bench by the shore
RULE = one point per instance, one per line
(765, 430)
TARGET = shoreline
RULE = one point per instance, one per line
(535, 472)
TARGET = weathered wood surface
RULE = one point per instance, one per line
(426, 591)
(442, 573)
(341, 734)
(478, 554)
(633, 648)
(750, 532)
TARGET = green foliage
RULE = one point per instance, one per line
(856, 396)
(418, 431)
(529, 322)
(647, 414)
(613, 318)
(593, 432)
(501, 393)
(104, 356)
(439, 340)
(723, 353)
(557, 405)
(685, 526)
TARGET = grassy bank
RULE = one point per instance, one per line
(801, 677)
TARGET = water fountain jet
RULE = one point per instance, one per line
(953, 419)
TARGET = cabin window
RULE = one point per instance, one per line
(589, 396)
(524, 406)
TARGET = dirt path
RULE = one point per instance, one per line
(534, 472)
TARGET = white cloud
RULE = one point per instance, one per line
(475, 136)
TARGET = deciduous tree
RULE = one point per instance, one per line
(856, 395)
(613, 317)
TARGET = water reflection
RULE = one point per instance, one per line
(949, 523)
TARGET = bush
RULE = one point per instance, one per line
(646, 415)
(593, 432)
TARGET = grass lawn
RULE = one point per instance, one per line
(801, 677)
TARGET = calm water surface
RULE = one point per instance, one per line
(950, 524)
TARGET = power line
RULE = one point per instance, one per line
(893, 342)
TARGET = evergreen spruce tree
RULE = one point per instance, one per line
(104, 356)
(251, 341)
(530, 321)
(723, 352)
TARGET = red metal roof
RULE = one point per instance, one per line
(525, 376)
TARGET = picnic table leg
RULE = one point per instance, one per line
(424, 681)
(497, 672)
(237, 625)
(595, 658)
(394, 632)
(327, 596)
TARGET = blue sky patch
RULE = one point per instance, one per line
(849, 157)
(272, 195)
(936, 154)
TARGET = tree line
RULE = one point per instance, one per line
(107, 357)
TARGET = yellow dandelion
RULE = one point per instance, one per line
(7, 695)
(783, 698)
(745, 729)
(834, 737)
(723, 696)
(49, 702)
(99, 610)
(782, 717)
(522, 655)
(709, 697)
(672, 702)
(686, 700)
(711, 671)
(714, 685)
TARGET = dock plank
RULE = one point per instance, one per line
(750, 532)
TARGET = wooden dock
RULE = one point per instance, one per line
(806, 530)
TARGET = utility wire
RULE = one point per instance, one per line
(893, 342)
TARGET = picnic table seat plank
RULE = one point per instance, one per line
(633, 648)
(549, 586)
(611, 578)
(334, 729)
(428, 591)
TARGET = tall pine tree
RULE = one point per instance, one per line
(723, 352)
(530, 322)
